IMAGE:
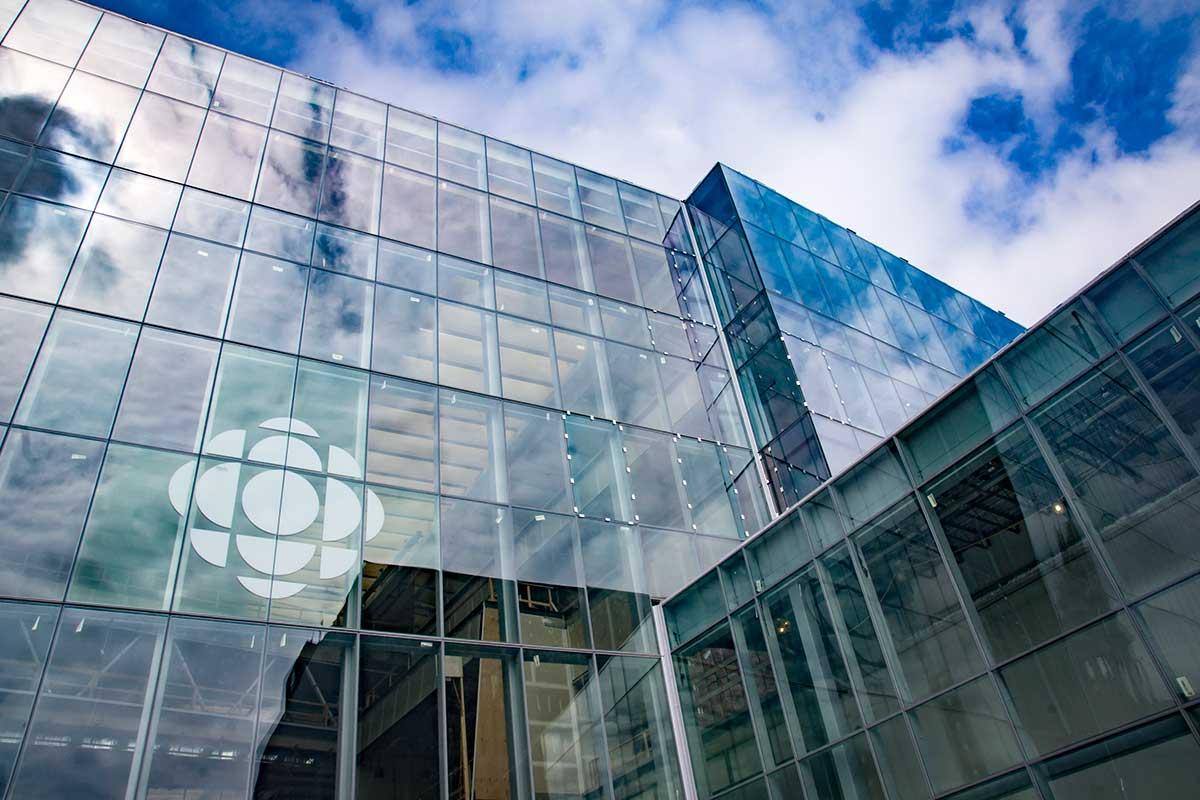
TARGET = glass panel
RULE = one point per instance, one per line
(812, 661)
(671, 560)
(411, 140)
(566, 251)
(246, 89)
(252, 400)
(873, 485)
(1170, 260)
(478, 601)
(161, 138)
(122, 50)
(337, 319)
(618, 604)
(926, 624)
(25, 632)
(1053, 352)
(549, 575)
(576, 310)
(658, 496)
(467, 351)
(140, 198)
(583, 374)
(166, 394)
(304, 108)
(227, 157)
(1126, 302)
(38, 83)
(67, 179)
(115, 268)
(598, 197)
(186, 71)
(898, 762)
(90, 118)
(845, 770)
(330, 411)
(562, 704)
(965, 735)
(637, 395)
(77, 379)
(134, 530)
(640, 209)
(483, 719)
(402, 434)
(522, 297)
(1085, 684)
(655, 284)
(715, 714)
(193, 287)
(212, 216)
(400, 566)
(358, 124)
(1173, 620)
(460, 156)
(39, 242)
(704, 477)
(465, 282)
(471, 435)
(398, 747)
(340, 250)
(1131, 479)
(350, 191)
(291, 174)
(409, 207)
(409, 267)
(759, 675)
(267, 300)
(278, 234)
(515, 244)
(597, 469)
(612, 265)
(463, 223)
(1023, 560)
(537, 467)
(509, 171)
(21, 328)
(1171, 366)
(404, 334)
(45, 486)
(556, 189)
(54, 29)
(685, 402)
(527, 362)
(90, 714)
(641, 746)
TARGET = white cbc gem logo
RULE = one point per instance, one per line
(279, 504)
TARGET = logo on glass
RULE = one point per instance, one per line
(279, 504)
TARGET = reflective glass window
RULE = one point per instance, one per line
(656, 483)
(526, 362)
(337, 319)
(54, 29)
(350, 191)
(140, 198)
(45, 486)
(509, 171)
(478, 591)
(1171, 366)
(612, 265)
(618, 604)
(21, 328)
(485, 746)
(460, 156)
(193, 287)
(465, 282)
(77, 378)
(115, 268)
(332, 401)
(291, 174)
(246, 89)
(565, 250)
(134, 531)
(122, 50)
(965, 735)
(303, 107)
(599, 200)
(640, 209)
(562, 706)
(1173, 620)
(186, 70)
(515, 244)
(549, 580)
(927, 626)
(556, 188)
(1170, 260)
(898, 761)
(167, 391)
(409, 207)
(575, 310)
(267, 300)
(467, 353)
(704, 477)
(625, 323)
(404, 334)
(1126, 302)
(1053, 352)
(637, 393)
(406, 266)
(161, 137)
(63, 178)
(759, 674)
(598, 469)
(358, 124)
(471, 435)
(685, 402)
(26, 630)
(91, 117)
(522, 297)
(411, 140)
(400, 565)
(251, 400)
(463, 223)
(844, 770)
(36, 82)
(341, 250)
(583, 374)
(227, 157)
(278, 234)
(641, 743)
(535, 448)
(402, 434)
(212, 216)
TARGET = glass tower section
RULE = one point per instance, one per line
(1000, 601)
(836, 342)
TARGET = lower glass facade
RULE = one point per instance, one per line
(1000, 601)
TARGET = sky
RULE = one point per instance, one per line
(1013, 149)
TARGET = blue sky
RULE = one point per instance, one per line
(1012, 148)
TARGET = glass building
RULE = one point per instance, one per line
(347, 453)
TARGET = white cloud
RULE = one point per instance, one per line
(798, 99)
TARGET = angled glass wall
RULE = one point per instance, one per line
(1000, 600)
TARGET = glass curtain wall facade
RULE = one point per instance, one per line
(836, 342)
(344, 450)
(1000, 601)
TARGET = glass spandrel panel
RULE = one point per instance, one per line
(477, 571)
(535, 447)
(468, 356)
(122, 50)
(1152, 761)
(397, 748)
(844, 770)
(759, 675)
(186, 70)
(25, 631)
(598, 470)
(549, 576)
(612, 265)
(471, 451)
(411, 140)
(45, 486)
(166, 394)
(716, 713)
(562, 706)
(251, 401)
(565, 250)
(463, 228)
(925, 622)
(812, 664)
(304, 107)
(483, 722)
(460, 156)
(193, 287)
(1026, 565)
(1170, 260)
(206, 706)
(246, 89)
(406, 266)
(291, 174)
(641, 743)
(509, 171)
(97, 689)
(282, 235)
(228, 156)
(76, 381)
(402, 434)
(1130, 478)
(346, 251)
(350, 191)
(556, 187)
(337, 319)
(161, 138)
(115, 268)
(1094, 680)
(405, 334)
(965, 735)
(63, 178)
(358, 124)
(1126, 302)
(515, 243)
(38, 83)
(1172, 620)
(1169, 362)
(522, 297)
(22, 326)
(637, 393)
(140, 198)
(267, 301)
(134, 532)
(409, 207)
(527, 362)
(91, 117)
(400, 563)
(898, 761)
